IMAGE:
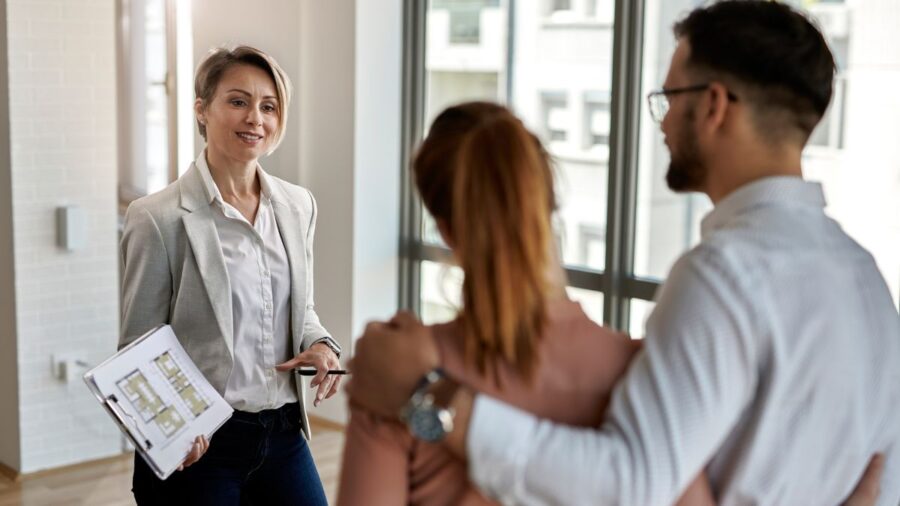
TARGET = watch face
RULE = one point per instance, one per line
(426, 424)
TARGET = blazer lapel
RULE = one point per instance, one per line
(291, 229)
(201, 231)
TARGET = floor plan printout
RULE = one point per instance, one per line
(155, 392)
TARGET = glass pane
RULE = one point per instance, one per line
(853, 152)
(555, 72)
(561, 59)
(465, 53)
(640, 310)
(590, 300)
(465, 59)
(667, 224)
(439, 290)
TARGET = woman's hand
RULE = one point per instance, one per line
(322, 358)
(201, 444)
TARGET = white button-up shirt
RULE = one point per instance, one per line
(772, 360)
(260, 279)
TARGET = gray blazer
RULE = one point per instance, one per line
(174, 272)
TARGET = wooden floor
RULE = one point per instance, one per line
(108, 482)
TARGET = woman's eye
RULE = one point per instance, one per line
(268, 108)
(237, 102)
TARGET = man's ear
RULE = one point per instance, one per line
(716, 106)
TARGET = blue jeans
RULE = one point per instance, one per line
(253, 459)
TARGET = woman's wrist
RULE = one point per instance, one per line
(329, 343)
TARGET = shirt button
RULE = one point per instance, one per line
(268, 306)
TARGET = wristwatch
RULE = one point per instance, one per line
(427, 414)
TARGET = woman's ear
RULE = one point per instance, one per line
(199, 111)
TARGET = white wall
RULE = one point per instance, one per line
(377, 164)
(62, 122)
(327, 52)
(350, 66)
(269, 25)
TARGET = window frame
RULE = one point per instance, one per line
(131, 78)
(617, 281)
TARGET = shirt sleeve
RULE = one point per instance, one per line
(679, 400)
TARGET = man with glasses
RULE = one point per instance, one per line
(772, 357)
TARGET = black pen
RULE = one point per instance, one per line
(309, 371)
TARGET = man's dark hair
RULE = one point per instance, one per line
(771, 52)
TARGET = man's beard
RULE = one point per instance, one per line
(686, 170)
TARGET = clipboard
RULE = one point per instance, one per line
(158, 398)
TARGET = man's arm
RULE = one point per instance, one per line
(678, 402)
(676, 405)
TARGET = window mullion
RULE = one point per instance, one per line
(624, 111)
(413, 106)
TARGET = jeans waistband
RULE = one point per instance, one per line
(287, 416)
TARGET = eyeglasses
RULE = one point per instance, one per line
(659, 100)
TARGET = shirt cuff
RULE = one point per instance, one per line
(331, 343)
(498, 446)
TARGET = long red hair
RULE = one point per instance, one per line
(488, 179)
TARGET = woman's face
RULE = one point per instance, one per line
(242, 117)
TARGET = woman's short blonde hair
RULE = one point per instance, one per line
(220, 59)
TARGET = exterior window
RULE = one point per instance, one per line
(551, 92)
(465, 27)
(156, 137)
(560, 5)
(597, 121)
(556, 118)
(618, 226)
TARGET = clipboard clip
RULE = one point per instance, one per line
(112, 404)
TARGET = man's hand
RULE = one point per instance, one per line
(322, 358)
(201, 444)
(389, 361)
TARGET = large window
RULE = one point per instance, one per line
(155, 113)
(577, 72)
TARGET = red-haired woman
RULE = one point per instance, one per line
(488, 183)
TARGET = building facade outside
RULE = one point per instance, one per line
(551, 61)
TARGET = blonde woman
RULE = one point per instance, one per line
(224, 255)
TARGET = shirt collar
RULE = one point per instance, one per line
(212, 191)
(776, 190)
